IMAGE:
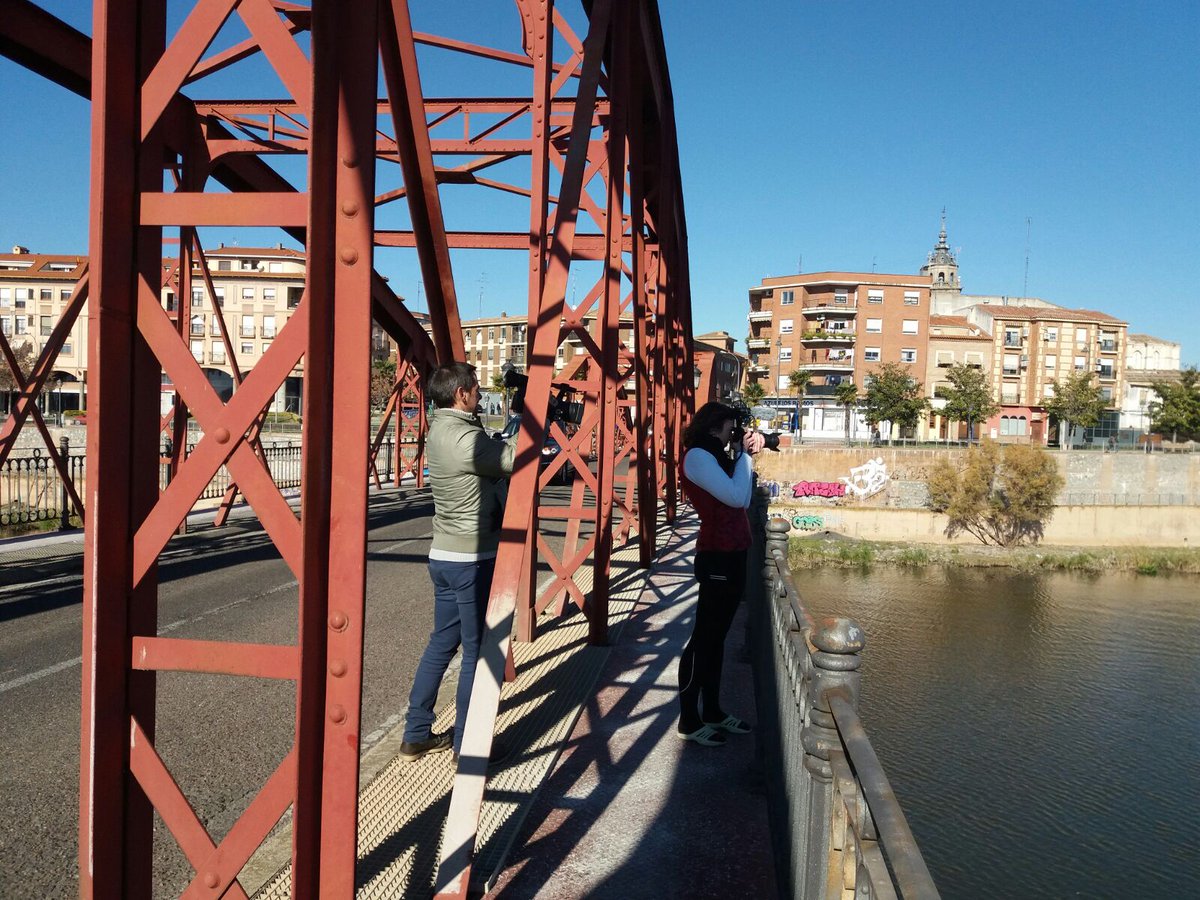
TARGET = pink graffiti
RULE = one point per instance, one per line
(818, 489)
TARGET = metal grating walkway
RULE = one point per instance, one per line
(402, 810)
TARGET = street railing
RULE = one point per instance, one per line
(32, 491)
(837, 829)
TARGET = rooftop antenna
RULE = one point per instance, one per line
(1028, 227)
(420, 287)
(800, 265)
(482, 282)
(873, 258)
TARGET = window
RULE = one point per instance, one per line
(908, 355)
(503, 333)
(24, 295)
(1106, 394)
(268, 327)
(247, 348)
(22, 325)
(1052, 335)
(1080, 335)
(47, 325)
(5, 296)
(1011, 362)
(268, 295)
(1012, 337)
(247, 326)
(478, 336)
(1105, 368)
(945, 358)
(63, 295)
(45, 294)
(912, 298)
(870, 354)
(1009, 395)
(294, 294)
(249, 265)
(909, 326)
(264, 346)
(1048, 391)
(1013, 426)
(785, 354)
(274, 267)
(197, 296)
(783, 383)
(170, 301)
(224, 265)
(198, 324)
(1080, 363)
(67, 349)
(874, 326)
(1051, 362)
(218, 352)
(874, 296)
(248, 293)
(491, 353)
(220, 297)
(973, 358)
(6, 325)
(785, 326)
(787, 298)
(198, 351)
(216, 325)
(492, 333)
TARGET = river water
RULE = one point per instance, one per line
(1041, 731)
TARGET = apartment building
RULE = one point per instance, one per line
(719, 368)
(1034, 348)
(953, 340)
(34, 290)
(839, 326)
(1147, 359)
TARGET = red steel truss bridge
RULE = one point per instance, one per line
(590, 151)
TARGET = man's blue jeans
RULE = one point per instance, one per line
(460, 595)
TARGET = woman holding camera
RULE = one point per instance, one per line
(718, 481)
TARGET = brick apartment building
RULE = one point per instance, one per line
(719, 367)
(840, 326)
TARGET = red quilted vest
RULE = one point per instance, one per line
(721, 527)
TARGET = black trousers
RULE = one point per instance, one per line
(722, 579)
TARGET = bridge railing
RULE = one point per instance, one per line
(836, 827)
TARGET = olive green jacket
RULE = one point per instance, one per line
(468, 471)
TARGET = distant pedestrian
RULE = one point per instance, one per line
(467, 471)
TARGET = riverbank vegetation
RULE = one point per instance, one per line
(847, 553)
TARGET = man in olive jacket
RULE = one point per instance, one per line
(468, 472)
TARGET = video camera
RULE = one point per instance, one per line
(744, 425)
(561, 407)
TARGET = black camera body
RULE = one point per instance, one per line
(561, 407)
(743, 426)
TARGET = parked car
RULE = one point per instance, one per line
(550, 451)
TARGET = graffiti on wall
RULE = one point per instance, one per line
(868, 479)
(864, 481)
(804, 520)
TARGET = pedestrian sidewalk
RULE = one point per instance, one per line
(599, 797)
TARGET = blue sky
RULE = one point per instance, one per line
(831, 133)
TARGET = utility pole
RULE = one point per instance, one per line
(1025, 286)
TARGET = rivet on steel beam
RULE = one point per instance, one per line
(349, 161)
(211, 880)
(337, 668)
(349, 255)
(337, 714)
(338, 621)
(221, 435)
(350, 208)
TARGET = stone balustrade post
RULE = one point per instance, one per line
(835, 646)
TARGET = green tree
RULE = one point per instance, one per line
(846, 394)
(1177, 410)
(383, 382)
(798, 381)
(893, 395)
(753, 393)
(1001, 496)
(968, 397)
(1076, 401)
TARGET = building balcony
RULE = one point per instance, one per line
(833, 338)
(760, 315)
(759, 343)
(757, 369)
(829, 365)
(829, 310)
(1108, 346)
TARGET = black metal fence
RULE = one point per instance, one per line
(837, 829)
(31, 490)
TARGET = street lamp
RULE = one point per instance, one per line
(58, 401)
(779, 362)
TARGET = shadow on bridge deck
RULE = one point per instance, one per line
(598, 797)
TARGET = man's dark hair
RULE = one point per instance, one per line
(447, 379)
(709, 416)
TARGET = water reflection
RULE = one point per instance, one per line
(1042, 731)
